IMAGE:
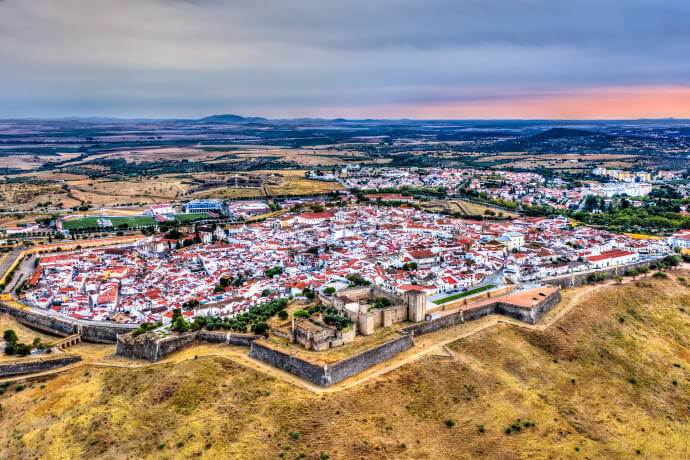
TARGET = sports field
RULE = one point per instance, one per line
(92, 222)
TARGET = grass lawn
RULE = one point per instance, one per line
(92, 222)
(460, 295)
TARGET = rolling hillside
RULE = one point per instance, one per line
(611, 380)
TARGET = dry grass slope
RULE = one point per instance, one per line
(598, 384)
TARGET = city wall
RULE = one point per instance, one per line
(32, 365)
(527, 315)
(91, 331)
(578, 279)
(152, 347)
(369, 358)
(310, 372)
(328, 375)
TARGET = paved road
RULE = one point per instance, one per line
(7, 261)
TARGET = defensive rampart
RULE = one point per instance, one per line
(91, 331)
(578, 279)
(31, 365)
(152, 346)
(529, 315)
(311, 372)
(326, 375)
(369, 358)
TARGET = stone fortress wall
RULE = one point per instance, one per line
(31, 365)
(572, 280)
(90, 331)
(152, 347)
(326, 375)
(499, 307)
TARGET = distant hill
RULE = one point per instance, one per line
(229, 118)
(562, 133)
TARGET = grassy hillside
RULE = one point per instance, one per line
(611, 379)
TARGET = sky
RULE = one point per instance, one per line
(354, 59)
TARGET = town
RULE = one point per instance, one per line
(225, 269)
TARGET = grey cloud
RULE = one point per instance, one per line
(181, 57)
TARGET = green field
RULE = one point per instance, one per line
(460, 295)
(92, 222)
(131, 221)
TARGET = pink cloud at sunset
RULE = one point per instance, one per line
(598, 103)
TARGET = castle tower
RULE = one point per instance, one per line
(416, 305)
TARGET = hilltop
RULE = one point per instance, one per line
(611, 379)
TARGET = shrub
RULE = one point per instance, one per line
(282, 314)
(145, 327)
(301, 314)
(260, 328)
(10, 336)
(22, 349)
(660, 275)
(295, 435)
(450, 423)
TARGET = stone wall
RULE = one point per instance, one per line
(230, 338)
(369, 358)
(528, 315)
(152, 347)
(578, 279)
(311, 372)
(42, 322)
(92, 331)
(329, 375)
(29, 366)
(425, 327)
(103, 333)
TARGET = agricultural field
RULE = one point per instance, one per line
(610, 380)
(29, 161)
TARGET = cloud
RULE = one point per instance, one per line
(298, 57)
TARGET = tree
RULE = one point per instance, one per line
(356, 279)
(179, 324)
(273, 271)
(330, 290)
(301, 314)
(382, 302)
(282, 314)
(260, 328)
(23, 349)
(409, 266)
(10, 336)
